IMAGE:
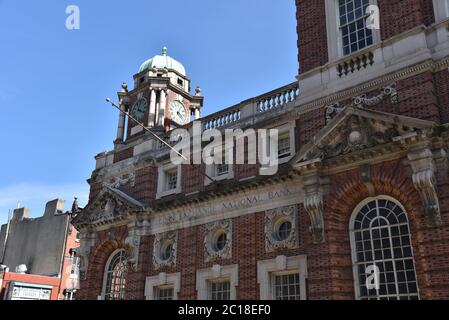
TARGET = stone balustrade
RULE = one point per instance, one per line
(277, 99)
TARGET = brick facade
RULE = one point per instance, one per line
(422, 95)
(312, 37)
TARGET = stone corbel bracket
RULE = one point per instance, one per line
(314, 190)
(136, 230)
(424, 168)
(87, 242)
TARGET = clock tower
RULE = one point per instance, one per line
(160, 100)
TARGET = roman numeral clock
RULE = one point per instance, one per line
(161, 98)
(139, 109)
(179, 113)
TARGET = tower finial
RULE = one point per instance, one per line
(164, 51)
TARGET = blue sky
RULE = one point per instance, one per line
(53, 81)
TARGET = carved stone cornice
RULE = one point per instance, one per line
(423, 166)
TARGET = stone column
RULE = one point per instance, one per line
(121, 123)
(163, 102)
(151, 116)
(197, 113)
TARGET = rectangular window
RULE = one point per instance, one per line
(284, 150)
(220, 290)
(221, 169)
(165, 293)
(352, 16)
(286, 287)
(171, 180)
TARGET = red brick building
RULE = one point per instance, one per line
(363, 181)
(36, 255)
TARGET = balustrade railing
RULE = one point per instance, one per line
(222, 119)
(355, 63)
(277, 99)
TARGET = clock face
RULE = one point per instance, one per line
(178, 112)
(139, 108)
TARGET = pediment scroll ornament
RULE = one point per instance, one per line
(363, 101)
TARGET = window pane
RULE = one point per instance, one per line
(386, 244)
(286, 287)
(115, 277)
(171, 178)
(165, 293)
(220, 290)
(352, 18)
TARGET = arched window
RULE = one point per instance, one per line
(381, 245)
(114, 282)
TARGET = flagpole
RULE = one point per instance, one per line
(6, 236)
(153, 134)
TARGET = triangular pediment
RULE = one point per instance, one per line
(109, 205)
(356, 129)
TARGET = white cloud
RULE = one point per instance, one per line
(35, 197)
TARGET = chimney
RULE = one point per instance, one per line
(20, 214)
(54, 207)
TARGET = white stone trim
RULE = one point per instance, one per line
(441, 9)
(135, 130)
(162, 169)
(228, 207)
(216, 273)
(281, 265)
(163, 279)
(395, 58)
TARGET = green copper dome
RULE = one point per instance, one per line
(163, 61)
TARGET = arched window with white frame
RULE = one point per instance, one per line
(114, 281)
(382, 254)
